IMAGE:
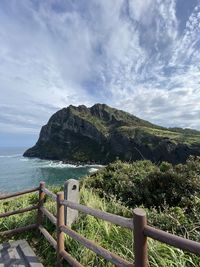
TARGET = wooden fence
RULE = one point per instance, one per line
(138, 224)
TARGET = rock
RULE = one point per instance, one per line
(101, 134)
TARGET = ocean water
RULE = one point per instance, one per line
(17, 172)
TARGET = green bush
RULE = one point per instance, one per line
(172, 185)
(120, 180)
(144, 183)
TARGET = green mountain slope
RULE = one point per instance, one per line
(101, 134)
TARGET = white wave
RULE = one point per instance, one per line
(11, 156)
(24, 159)
(43, 163)
(92, 170)
(60, 164)
(96, 166)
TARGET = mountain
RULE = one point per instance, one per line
(101, 134)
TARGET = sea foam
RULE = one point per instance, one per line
(92, 170)
(11, 156)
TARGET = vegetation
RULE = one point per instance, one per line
(114, 238)
(169, 194)
(104, 117)
(102, 134)
(185, 136)
(130, 125)
(144, 183)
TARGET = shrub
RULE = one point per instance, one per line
(120, 180)
(144, 183)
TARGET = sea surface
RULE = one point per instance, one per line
(18, 172)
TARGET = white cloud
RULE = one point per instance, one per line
(148, 84)
(131, 55)
(141, 11)
(38, 68)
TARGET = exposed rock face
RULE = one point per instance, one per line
(101, 134)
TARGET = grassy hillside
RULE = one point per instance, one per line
(113, 189)
(109, 118)
(179, 136)
(105, 117)
(102, 134)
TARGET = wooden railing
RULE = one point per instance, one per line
(138, 224)
(7, 214)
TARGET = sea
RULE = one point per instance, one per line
(18, 172)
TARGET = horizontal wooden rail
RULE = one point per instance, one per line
(73, 262)
(115, 219)
(19, 230)
(3, 215)
(113, 258)
(64, 254)
(19, 193)
(49, 193)
(47, 235)
(49, 215)
(173, 240)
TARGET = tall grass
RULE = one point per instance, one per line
(112, 237)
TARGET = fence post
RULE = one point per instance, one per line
(60, 222)
(71, 193)
(41, 203)
(140, 240)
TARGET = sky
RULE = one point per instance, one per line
(139, 56)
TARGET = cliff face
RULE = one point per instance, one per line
(101, 134)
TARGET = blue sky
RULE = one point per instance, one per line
(140, 56)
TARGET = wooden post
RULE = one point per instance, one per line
(41, 203)
(60, 222)
(140, 240)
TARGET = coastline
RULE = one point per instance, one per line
(25, 172)
(72, 162)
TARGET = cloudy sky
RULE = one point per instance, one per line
(140, 56)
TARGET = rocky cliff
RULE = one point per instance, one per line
(101, 134)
